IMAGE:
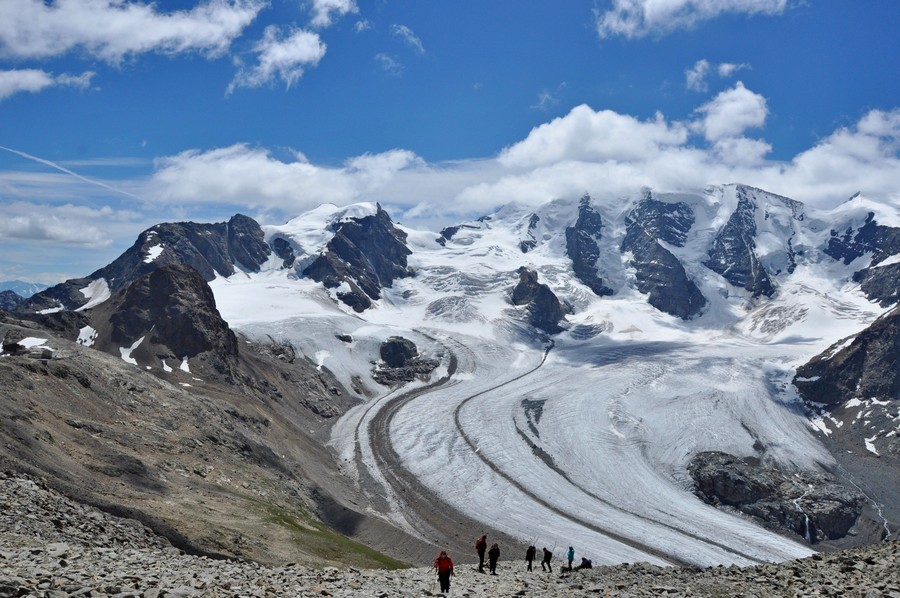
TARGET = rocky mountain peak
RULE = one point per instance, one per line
(582, 248)
(10, 299)
(365, 254)
(658, 273)
(210, 249)
(544, 307)
(174, 311)
(733, 253)
(879, 282)
(866, 367)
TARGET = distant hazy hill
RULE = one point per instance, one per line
(22, 288)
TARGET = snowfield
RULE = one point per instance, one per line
(582, 439)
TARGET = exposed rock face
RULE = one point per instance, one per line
(657, 271)
(10, 299)
(881, 241)
(812, 505)
(207, 248)
(733, 254)
(367, 254)
(543, 306)
(174, 311)
(879, 283)
(582, 249)
(446, 235)
(867, 368)
(398, 351)
(402, 362)
(529, 242)
(282, 248)
(63, 295)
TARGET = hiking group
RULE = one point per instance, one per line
(444, 565)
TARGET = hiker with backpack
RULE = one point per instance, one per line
(570, 556)
(529, 556)
(493, 557)
(481, 546)
(547, 556)
(444, 566)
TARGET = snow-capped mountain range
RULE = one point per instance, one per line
(587, 349)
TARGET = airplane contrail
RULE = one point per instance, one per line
(69, 172)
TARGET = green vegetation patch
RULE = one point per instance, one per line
(313, 537)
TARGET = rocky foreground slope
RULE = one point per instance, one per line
(52, 546)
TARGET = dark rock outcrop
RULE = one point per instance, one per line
(812, 505)
(582, 248)
(66, 295)
(447, 234)
(367, 254)
(529, 242)
(544, 308)
(210, 249)
(868, 367)
(658, 273)
(10, 299)
(879, 283)
(283, 249)
(670, 222)
(402, 362)
(733, 254)
(881, 241)
(174, 310)
(397, 351)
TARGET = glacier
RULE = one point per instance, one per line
(582, 438)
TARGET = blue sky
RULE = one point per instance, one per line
(115, 115)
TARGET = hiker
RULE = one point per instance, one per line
(481, 546)
(585, 564)
(444, 566)
(493, 555)
(570, 556)
(529, 556)
(547, 556)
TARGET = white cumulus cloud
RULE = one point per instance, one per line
(67, 224)
(586, 135)
(863, 158)
(637, 18)
(732, 112)
(283, 58)
(326, 11)
(727, 69)
(695, 77)
(34, 80)
(113, 29)
(603, 152)
(240, 174)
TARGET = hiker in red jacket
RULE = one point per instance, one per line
(481, 546)
(444, 566)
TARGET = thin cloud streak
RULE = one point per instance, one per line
(70, 172)
(407, 35)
